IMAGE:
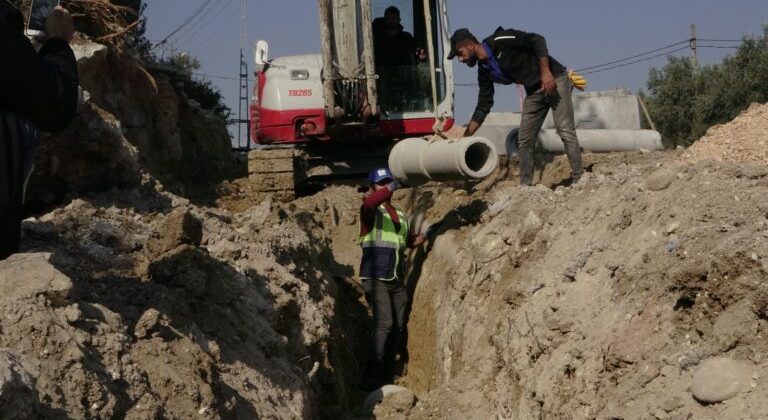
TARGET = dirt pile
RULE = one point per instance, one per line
(744, 140)
(137, 304)
(609, 299)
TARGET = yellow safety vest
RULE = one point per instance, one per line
(384, 247)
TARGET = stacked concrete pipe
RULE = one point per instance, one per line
(415, 161)
(596, 141)
(601, 141)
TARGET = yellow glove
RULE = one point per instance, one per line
(579, 82)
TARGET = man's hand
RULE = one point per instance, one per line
(547, 80)
(471, 128)
(419, 240)
(59, 24)
(421, 54)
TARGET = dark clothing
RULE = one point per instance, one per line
(535, 109)
(517, 54)
(389, 300)
(35, 87)
(392, 50)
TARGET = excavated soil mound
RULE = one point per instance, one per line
(138, 304)
(623, 297)
(743, 140)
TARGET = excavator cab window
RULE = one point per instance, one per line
(401, 55)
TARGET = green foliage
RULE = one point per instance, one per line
(203, 92)
(207, 96)
(684, 103)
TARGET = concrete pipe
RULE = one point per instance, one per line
(604, 140)
(415, 161)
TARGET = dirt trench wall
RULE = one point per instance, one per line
(133, 125)
(599, 301)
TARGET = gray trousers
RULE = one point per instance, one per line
(535, 109)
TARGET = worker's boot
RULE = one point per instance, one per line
(573, 152)
(525, 158)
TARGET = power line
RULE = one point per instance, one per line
(185, 23)
(214, 76)
(720, 40)
(202, 21)
(633, 57)
(207, 23)
(635, 62)
(719, 46)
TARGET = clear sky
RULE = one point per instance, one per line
(579, 34)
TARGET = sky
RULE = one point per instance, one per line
(579, 34)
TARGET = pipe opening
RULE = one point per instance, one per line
(476, 156)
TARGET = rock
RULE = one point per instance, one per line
(29, 275)
(179, 228)
(648, 373)
(736, 323)
(85, 50)
(531, 226)
(718, 379)
(661, 179)
(577, 264)
(671, 404)
(146, 323)
(17, 389)
(672, 228)
(392, 398)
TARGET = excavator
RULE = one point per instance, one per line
(329, 117)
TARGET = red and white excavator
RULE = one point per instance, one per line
(331, 116)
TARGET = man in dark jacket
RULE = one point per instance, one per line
(37, 90)
(392, 45)
(511, 56)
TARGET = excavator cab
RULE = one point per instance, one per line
(401, 53)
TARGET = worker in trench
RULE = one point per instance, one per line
(511, 56)
(38, 90)
(384, 236)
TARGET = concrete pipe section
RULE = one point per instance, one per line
(415, 161)
(600, 141)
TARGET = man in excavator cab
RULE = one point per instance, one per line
(398, 58)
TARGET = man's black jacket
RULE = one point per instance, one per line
(518, 55)
(41, 87)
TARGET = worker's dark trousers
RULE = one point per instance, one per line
(388, 299)
(535, 109)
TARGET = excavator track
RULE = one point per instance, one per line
(271, 171)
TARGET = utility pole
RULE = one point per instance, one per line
(243, 112)
(694, 54)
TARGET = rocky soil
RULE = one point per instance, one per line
(638, 293)
(144, 307)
